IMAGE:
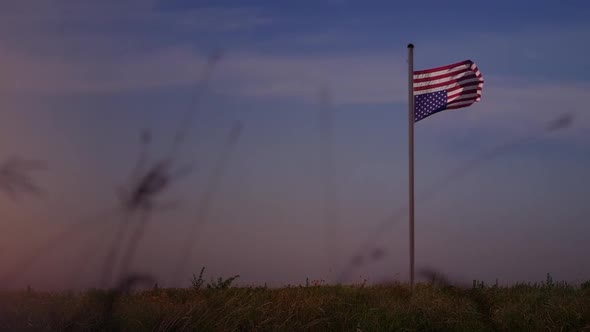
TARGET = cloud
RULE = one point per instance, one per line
(45, 12)
(352, 79)
(65, 47)
(221, 19)
(31, 74)
(371, 77)
(105, 27)
(95, 14)
(512, 103)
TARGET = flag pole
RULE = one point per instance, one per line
(411, 156)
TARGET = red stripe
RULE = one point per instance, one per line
(432, 86)
(461, 100)
(432, 70)
(462, 86)
(464, 92)
(455, 106)
(438, 77)
(476, 70)
(456, 101)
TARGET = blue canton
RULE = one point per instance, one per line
(429, 103)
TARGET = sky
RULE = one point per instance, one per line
(296, 195)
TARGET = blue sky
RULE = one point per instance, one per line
(80, 79)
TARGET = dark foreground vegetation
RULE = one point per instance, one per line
(431, 307)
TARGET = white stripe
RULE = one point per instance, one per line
(467, 88)
(448, 86)
(460, 97)
(459, 103)
(442, 72)
(442, 80)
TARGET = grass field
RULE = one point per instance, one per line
(540, 307)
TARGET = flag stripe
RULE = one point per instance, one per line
(445, 72)
(464, 91)
(453, 89)
(467, 85)
(447, 79)
(470, 77)
(426, 77)
(442, 68)
(446, 85)
(470, 96)
(461, 104)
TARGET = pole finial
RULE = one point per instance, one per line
(410, 45)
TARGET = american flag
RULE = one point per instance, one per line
(447, 87)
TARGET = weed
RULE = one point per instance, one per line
(429, 307)
(198, 282)
(221, 283)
